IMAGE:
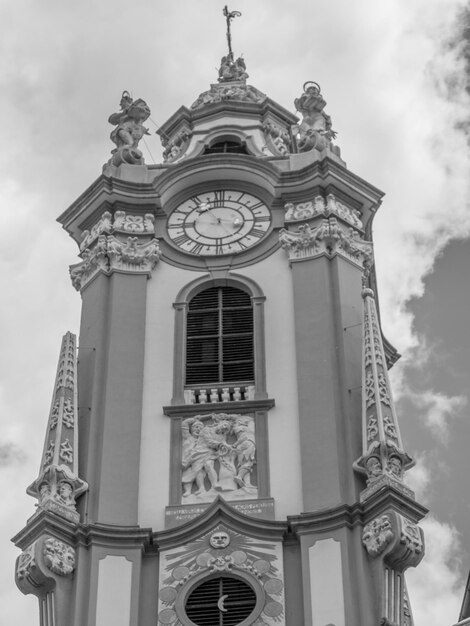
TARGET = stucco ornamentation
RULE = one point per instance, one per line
(377, 535)
(111, 253)
(218, 456)
(176, 145)
(238, 92)
(278, 138)
(103, 225)
(219, 539)
(325, 207)
(129, 130)
(315, 130)
(251, 558)
(129, 223)
(59, 557)
(328, 237)
(25, 563)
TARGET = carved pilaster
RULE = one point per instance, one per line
(106, 248)
(383, 460)
(58, 484)
(278, 138)
(176, 145)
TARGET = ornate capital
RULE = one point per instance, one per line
(104, 249)
(328, 237)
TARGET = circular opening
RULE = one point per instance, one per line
(222, 601)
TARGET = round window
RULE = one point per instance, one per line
(223, 601)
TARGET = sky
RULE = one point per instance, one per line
(395, 75)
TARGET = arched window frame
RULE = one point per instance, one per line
(181, 311)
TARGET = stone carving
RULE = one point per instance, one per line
(66, 452)
(175, 146)
(58, 484)
(411, 537)
(59, 557)
(407, 614)
(320, 206)
(328, 238)
(218, 456)
(104, 225)
(238, 92)
(131, 253)
(279, 138)
(377, 535)
(129, 130)
(219, 540)
(111, 253)
(257, 560)
(128, 223)
(315, 130)
(306, 241)
(25, 563)
(231, 70)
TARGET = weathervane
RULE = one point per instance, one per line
(230, 15)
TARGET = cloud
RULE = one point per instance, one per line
(439, 575)
(437, 410)
(418, 478)
(11, 453)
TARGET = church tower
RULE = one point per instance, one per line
(222, 446)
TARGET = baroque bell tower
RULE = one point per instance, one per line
(222, 446)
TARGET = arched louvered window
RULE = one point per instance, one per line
(226, 147)
(219, 337)
(223, 601)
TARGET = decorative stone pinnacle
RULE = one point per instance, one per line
(383, 459)
(58, 484)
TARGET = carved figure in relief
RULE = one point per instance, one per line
(377, 535)
(65, 493)
(59, 557)
(219, 539)
(315, 130)
(373, 467)
(218, 456)
(129, 130)
(245, 450)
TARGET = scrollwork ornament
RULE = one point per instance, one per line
(59, 556)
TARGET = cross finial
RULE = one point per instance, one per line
(230, 15)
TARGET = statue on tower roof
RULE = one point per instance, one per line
(315, 130)
(129, 130)
(231, 69)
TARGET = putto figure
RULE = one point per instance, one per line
(315, 130)
(129, 130)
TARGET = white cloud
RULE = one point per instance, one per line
(436, 586)
(438, 410)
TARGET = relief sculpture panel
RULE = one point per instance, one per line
(218, 457)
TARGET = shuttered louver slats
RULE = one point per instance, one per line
(219, 337)
(223, 601)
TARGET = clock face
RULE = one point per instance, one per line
(219, 222)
